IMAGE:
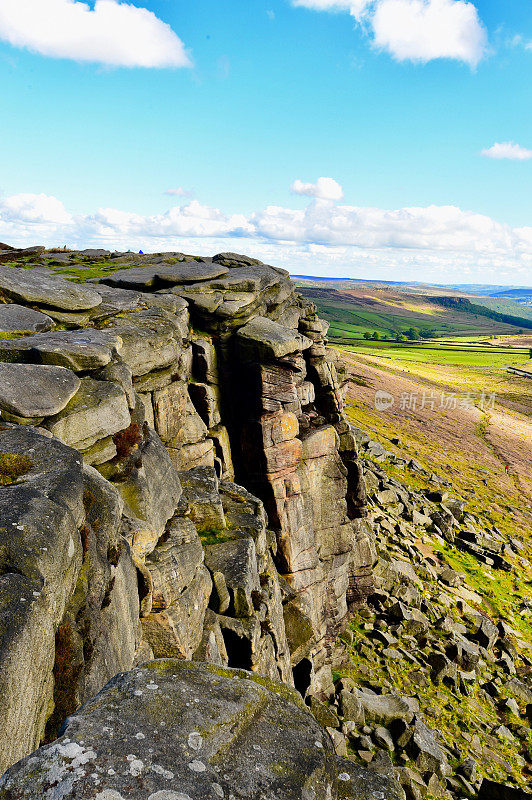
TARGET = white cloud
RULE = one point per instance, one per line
(113, 33)
(34, 209)
(417, 30)
(435, 243)
(323, 189)
(508, 150)
(423, 30)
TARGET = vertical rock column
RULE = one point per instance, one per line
(292, 458)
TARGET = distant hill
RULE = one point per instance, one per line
(357, 309)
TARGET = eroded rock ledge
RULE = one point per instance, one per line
(178, 481)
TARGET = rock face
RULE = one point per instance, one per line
(178, 480)
(225, 733)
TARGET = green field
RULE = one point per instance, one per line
(445, 354)
(350, 321)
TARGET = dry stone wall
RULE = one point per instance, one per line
(178, 480)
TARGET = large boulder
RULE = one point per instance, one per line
(172, 730)
(39, 286)
(15, 318)
(162, 275)
(77, 350)
(35, 390)
(263, 338)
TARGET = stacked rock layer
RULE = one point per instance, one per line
(178, 480)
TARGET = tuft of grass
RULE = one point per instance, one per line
(13, 467)
(215, 536)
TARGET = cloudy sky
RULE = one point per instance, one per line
(366, 138)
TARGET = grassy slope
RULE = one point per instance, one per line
(460, 446)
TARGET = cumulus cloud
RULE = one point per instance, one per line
(417, 30)
(423, 30)
(113, 33)
(34, 209)
(508, 150)
(323, 189)
(434, 243)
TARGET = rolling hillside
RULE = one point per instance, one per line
(390, 312)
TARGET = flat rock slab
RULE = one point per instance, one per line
(157, 276)
(19, 318)
(36, 390)
(37, 286)
(263, 338)
(115, 300)
(77, 350)
(174, 730)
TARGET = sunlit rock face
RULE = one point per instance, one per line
(178, 480)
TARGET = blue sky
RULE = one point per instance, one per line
(245, 98)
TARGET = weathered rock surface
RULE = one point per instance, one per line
(76, 350)
(179, 382)
(38, 286)
(36, 391)
(15, 318)
(156, 277)
(172, 730)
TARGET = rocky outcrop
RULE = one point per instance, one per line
(178, 480)
(177, 731)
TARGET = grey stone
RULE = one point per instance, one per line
(177, 630)
(383, 708)
(40, 557)
(236, 559)
(264, 339)
(98, 410)
(77, 350)
(200, 488)
(519, 690)
(383, 738)
(40, 287)
(174, 562)
(468, 768)
(35, 390)
(21, 319)
(225, 732)
(160, 336)
(151, 489)
(486, 634)
(351, 707)
(425, 750)
(146, 278)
